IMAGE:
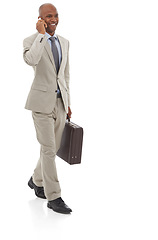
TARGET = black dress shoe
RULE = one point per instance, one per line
(59, 206)
(39, 191)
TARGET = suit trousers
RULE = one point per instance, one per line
(49, 129)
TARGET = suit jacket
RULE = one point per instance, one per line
(37, 53)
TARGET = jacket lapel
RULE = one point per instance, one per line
(62, 51)
(48, 49)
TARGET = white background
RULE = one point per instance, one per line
(114, 85)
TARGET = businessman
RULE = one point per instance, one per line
(49, 101)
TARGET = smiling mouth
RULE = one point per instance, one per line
(53, 24)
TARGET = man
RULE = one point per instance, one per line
(49, 101)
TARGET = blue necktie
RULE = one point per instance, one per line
(55, 53)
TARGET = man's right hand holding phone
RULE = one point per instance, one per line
(41, 26)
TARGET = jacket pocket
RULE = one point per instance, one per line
(39, 87)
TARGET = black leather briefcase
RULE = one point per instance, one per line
(71, 143)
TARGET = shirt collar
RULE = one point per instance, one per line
(48, 35)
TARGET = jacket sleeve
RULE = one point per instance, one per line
(33, 50)
(67, 76)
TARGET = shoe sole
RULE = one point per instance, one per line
(56, 210)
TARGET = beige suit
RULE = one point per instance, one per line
(37, 53)
(48, 111)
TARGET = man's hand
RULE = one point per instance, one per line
(41, 26)
(69, 112)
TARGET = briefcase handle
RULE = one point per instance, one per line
(68, 118)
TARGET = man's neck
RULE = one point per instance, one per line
(51, 34)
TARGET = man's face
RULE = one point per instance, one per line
(50, 15)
